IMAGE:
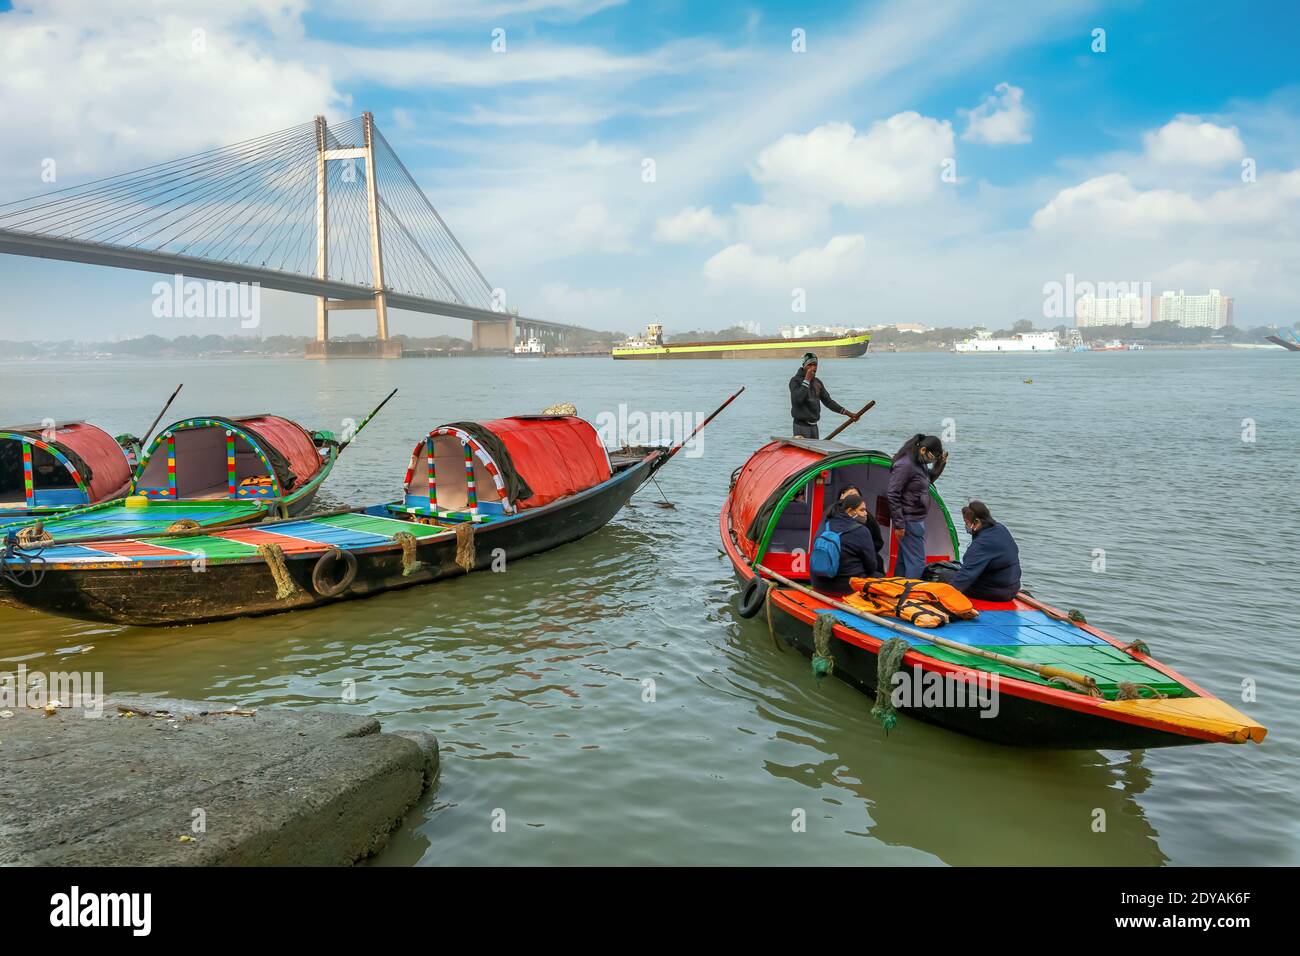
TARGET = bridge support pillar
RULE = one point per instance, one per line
(494, 336)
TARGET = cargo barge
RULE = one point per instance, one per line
(826, 347)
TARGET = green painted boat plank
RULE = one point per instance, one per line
(378, 525)
(1107, 665)
(211, 546)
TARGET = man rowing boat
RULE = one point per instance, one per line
(807, 396)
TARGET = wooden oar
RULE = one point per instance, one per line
(365, 421)
(678, 447)
(851, 419)
(1085, 684)
(145, 437)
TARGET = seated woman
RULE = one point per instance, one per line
(991, 569)
(872, 525)
(849, 519)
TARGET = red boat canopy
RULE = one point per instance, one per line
(79, 455)
(765, 471)
(209, 458)
(782, 494)
(507, 464)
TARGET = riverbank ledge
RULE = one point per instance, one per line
(185, 783)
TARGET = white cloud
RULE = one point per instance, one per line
(524, 61)
(1000, 119)
(691, 225)
(740, 264)
(1188, 141)
(409, 11)
(767, 224)
(113, 86)
(562, 302)
(1111, 204)
(894, 162)
(592, 227)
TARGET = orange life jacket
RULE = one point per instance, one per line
(923, 603)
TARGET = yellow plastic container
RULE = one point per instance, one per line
(137, 501)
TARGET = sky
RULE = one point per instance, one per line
(611, 163)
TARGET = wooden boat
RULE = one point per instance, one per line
(768, 523)
(211, 471)
(475, 493)
(52, 468)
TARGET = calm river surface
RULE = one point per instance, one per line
(532, 679)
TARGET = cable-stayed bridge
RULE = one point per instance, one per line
(326, 211)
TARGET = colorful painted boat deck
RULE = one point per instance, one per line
(116, 519)
(1018, 631)
(351, 531)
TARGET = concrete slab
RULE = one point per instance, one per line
(280, 787)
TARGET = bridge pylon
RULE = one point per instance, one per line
(324, 304)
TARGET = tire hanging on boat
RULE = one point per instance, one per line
(320, 573)
(753, 597)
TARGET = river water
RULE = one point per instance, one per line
(536, 680)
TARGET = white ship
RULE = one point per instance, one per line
(533, 346)
(983, 341)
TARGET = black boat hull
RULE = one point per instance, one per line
(180, 594)
(1020, 721)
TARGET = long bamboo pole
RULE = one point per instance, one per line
(852, 418)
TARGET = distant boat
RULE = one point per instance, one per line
(533, 346)
(983, 341)
(826, 346)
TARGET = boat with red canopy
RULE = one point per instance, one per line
(476, 494)
(206, 471)
(53, 467)
(1021, 672)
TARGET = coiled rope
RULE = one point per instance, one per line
(465, 546)
(889, 660)
(33, 565)
(823, 664)
(184, 524)
(1128, 691)
(273, 555)
(410, 564)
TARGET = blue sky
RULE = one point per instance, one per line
(774, 170)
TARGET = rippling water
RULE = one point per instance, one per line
(535, 681)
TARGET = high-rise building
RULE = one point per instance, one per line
(1090, 311)
(1212, 311)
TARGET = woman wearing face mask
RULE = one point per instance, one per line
(869, 522)
(917, 465)
(848, 518)
(991, 569)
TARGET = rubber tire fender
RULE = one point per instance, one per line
(319, 580)
(752, 598)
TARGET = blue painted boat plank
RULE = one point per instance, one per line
(990, 629)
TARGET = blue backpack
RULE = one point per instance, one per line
(826, 554)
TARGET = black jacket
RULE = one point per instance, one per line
(807, 399)
(909, 491)
(991, 569)
(859, 552)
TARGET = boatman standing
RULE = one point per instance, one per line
(807, 396)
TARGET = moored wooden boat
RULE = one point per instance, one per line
(52, 468)
(768, 523)
(206, 472)
(476, 494)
